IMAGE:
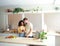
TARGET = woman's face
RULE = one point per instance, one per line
(22, 23)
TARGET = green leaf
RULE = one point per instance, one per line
(16, 10)
(42, 35)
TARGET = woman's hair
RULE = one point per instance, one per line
(19, 24)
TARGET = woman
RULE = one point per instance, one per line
(21, 29)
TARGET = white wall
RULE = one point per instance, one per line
(35, 19)
(53, 21)
(3, 19)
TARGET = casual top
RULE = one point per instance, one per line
(21, 29)
(28, 28)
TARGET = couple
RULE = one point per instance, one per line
(25, 28)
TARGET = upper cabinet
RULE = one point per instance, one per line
(13, 20)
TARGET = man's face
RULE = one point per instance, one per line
(25, 21)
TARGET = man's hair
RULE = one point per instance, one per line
(25, 18)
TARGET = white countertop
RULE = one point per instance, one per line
(53, 34)
(20, 40)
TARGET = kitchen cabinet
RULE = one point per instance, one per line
(53, 39)
(10, 44)
(21, 41)
(13, 20)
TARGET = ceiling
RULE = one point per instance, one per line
(27, 2)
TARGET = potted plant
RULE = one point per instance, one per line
(42, 35)
(17, 10)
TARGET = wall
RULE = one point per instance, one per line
(53, 21)
(50, 19)
(3, 20)
(35, 19)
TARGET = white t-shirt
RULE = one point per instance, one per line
(28, 27)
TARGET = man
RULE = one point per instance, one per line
(29, 27)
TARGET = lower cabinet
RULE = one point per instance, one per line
(53, 40)
(11, 44)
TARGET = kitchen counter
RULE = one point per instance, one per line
(53, 39)
(53, 34)
(21, 40)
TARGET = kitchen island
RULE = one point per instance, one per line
(21, 40)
